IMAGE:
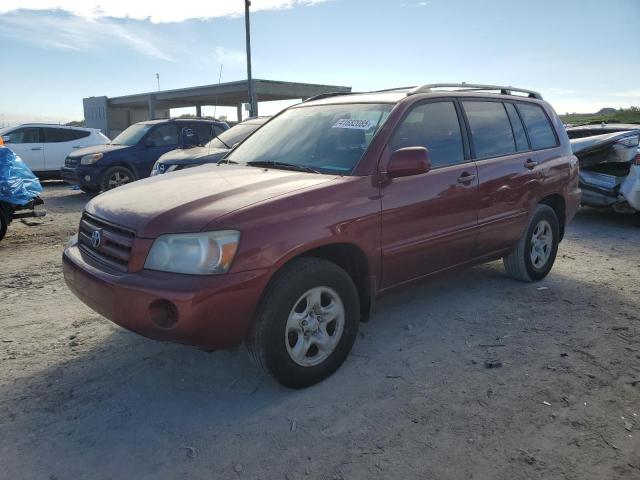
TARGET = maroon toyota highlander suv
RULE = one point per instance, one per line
(287, 241)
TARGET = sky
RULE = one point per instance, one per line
(582, 55)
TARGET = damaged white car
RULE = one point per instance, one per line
(609, 157)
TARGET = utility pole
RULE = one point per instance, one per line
(158, 79)
(252, 103)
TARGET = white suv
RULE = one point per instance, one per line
(44, 147)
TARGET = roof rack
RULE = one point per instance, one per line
(474, 87)
(325, 95)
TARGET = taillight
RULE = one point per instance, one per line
(636, 160)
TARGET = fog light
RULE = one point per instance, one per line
(87, 178)
(163, 313)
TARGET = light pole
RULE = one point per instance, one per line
(247, 27)
(158, 79)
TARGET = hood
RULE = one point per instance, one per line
(192, 155)
(107, 147)
(186, 201)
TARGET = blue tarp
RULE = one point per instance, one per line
(18, 184)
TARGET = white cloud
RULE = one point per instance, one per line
(155, 11)
(69, 32)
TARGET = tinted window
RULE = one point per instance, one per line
(490, 129)
(434, 126)
(518, 130)
(205, 131)
(538, 126)
(25, 135)
(78, 134)
(57, 135)
(164, 135)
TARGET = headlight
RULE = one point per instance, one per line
(90, 159)
(206, 253)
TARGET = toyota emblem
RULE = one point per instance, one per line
(96, 238)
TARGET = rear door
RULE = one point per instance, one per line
(506, 170)
(27, 143)
(58, 143)
(429, 220)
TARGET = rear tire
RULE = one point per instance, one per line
(535, 253)
(116, 177)
(306, 324)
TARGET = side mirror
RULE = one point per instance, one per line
(189, 138)
(6, 138)
(408, 161)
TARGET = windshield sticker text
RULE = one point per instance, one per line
(353, 124)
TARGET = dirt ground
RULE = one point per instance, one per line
(81, 398)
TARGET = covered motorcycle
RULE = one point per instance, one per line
(19, 190)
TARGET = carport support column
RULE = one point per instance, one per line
(239, 112)
(198, 110)
(152, 107)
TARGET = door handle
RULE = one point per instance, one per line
(530, 163)
(466, 178)
(38, 148)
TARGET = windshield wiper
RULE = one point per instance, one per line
(224, 160)
(283, 165)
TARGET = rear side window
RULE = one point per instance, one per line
(434, 126)
(538, 126)
(78, 134)
(25, 135)
(490, 129)
(57, 135)
(518, 130)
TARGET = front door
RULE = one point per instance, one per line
(159, 141)
(429, 220)
(26, 142)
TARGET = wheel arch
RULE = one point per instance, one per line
(559, 206)
(352, 259)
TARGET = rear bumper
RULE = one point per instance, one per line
(213, 312)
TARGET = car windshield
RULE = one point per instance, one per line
(132, 135)
(324, 138)
(230, 137)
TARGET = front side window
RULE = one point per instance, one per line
(434, 126)
(164, 136)
(132, 135)
(538, 126)
(25, 135)
(490, 128)
(325, 138)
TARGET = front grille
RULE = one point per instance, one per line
(70, 162)
(110, 246)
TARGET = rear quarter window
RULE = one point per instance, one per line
(58, 135)
(78, 134)
(538, 127)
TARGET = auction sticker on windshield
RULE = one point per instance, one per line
(353, 123)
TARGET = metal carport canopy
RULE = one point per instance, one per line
(225, 94)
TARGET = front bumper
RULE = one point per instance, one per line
(213, 312)
(81, 175)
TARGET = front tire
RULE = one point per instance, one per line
(116, 177)
(306, 324)
(533, 257)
